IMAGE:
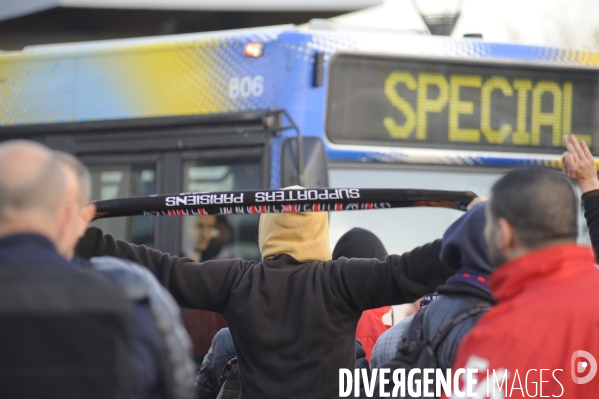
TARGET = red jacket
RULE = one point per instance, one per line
(370, 327)
(548, 308)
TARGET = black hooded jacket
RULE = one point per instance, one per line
(293, 323)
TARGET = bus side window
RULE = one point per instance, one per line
(119, 181)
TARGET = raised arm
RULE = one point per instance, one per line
(370, 283)
(579, 165)
(194, 285)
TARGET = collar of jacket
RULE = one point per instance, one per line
(540, 266)
(31, 250)
(465, 289)
(283, 261)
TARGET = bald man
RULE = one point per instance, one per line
(68, 349)
(35, 215)
(61, 326)
(162, 363)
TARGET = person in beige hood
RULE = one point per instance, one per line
(304, 236)
(293, 315)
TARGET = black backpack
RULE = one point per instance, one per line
(229, 381)
(415, 352)
(63, 334)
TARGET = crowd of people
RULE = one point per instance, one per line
(506, 290)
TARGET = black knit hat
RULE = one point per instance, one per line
(359, 243)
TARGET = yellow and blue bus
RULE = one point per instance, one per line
(277, 106)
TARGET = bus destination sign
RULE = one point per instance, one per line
(460, 105)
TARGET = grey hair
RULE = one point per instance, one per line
(81, 171)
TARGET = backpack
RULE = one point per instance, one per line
(415, 352)
(64, 334)
(230, 384)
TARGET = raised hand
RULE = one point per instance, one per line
(579, 165)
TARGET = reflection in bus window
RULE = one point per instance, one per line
(119, 181)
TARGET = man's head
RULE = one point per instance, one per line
(463, 243)
(32, 191)
(205, 227)
(78, 192)
(529, 209)
(359, 243)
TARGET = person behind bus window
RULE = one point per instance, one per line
(219, 245)
(204, 230)
(292, 315)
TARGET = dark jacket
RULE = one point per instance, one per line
(591, 214)
(208, 381)
(31, 250)
(361, 361)
(463, 249)
(221, 351)
(177, 366)
(293, 323)
(452, 299)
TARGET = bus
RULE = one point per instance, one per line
(279, 106)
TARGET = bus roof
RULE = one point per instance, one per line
(400, 42)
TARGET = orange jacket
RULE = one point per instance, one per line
(547, 310)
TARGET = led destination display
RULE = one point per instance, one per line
(457, 104)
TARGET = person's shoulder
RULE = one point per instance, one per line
(223, 344)
(223, 335)
(577, 298)
(572, 292)
(446, 306)
(340, 264)
(134, 278)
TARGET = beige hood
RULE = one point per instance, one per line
(305, 235)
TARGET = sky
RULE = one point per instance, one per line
(570, 24)
(560, 23)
